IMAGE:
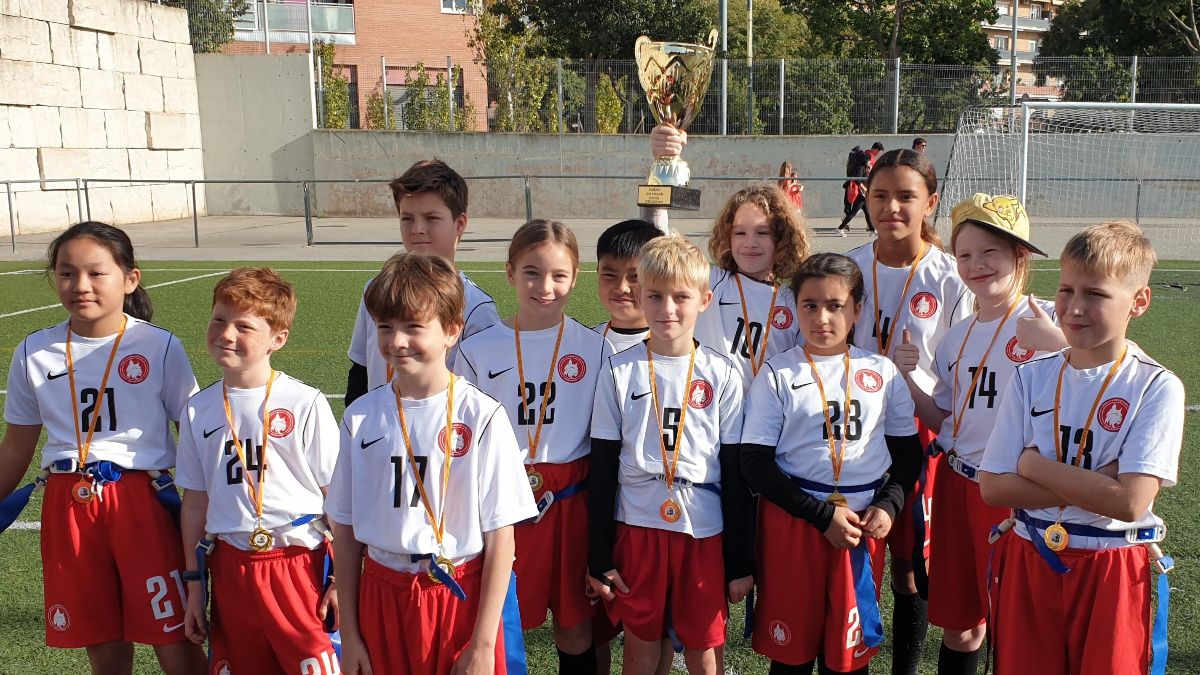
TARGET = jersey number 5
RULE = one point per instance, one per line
(398, 465)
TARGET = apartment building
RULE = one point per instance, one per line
(1033, 22)
(371, 35)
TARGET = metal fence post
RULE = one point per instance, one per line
(78, 199)
(266, 26)
(560, 97)
(87, 199)
(724, 93)
(195, 218)
(387, 99)
(781, 71)
(320, 91)
(528, 200)
(12, 225)
(1133, 80)
(450, 90)
(308, 224)
(1023, 166)
(896, 97)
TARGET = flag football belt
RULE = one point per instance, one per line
(102, 473)
(549, 497)
(956, 463)
(714, 488)
(1133, 535)
(815, 486)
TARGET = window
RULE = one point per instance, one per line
(1000, 42)
(1035, 12)
(1003, 9)
(1035, 46)
(454, 6)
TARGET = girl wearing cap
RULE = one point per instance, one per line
(972, 364)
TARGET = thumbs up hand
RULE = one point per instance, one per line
(1038, 332)
(907, 354)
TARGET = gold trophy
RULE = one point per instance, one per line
(675, 76)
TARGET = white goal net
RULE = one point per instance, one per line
(1077, 164)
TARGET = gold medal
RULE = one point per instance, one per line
(670, 511)
(1056, 537)
(261, 539)
(536, 481)
(82, 491)
(838, 499)
(444, 564)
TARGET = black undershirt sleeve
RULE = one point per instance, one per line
(602, 499)
(737, 539)
(907, 456)
(763, 475)
(356, 382)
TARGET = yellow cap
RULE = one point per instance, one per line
(1003, 214)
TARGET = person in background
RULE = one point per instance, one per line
(919, 144)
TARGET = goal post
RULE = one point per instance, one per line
(1080, 163)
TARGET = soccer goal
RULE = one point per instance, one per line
(1076, 164)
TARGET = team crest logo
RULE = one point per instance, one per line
(1017, 353)
(462, 439)
(134, 368)
(701, 394)
(572, 368)
(868, 380)
(222, 668)
(781, 317)
(780, 633)
(57, 618)
(923, 305)
(280, 422)
(1112, 413)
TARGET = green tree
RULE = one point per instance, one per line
(610, 108)
(517, 80)
(210, 22)
(335, 98)
(824, 98)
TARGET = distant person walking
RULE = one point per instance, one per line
(858, 165)
(790, 186)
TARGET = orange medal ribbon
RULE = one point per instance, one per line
(438, 522)
(912, 272)
(260, 539)
(962, 410)
(837, 455)
(670, 511)
(535, 439)
(85, 446)
(756, 364)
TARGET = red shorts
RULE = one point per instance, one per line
(112, 568)
(412, 624)
(552, 553)
(264, 612)
(901, 541)
(958, 554)
(1093, 620)
(806, 606)
(670, 571)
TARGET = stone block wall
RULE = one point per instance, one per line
(97, 89)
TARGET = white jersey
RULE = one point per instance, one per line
(785, 411)
(625, 412)
(489, 360)
(1138, 424)
(373, 486)
(936, 299)
(622, 339)
(151, 380)
(724, 328)
(302, 447)
(979, 413)
(479, 312)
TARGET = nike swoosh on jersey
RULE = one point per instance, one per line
(52, 376)
(492, 376)
(172, 629)
(796, 387)
(364, 444)
(1033, 412)
(210, 432)
(859, 654)
(641, 395)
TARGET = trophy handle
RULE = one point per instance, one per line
(712, 39)
(641, 42)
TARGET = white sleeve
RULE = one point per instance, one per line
(763, 417)
(501, 468)
(21, 404)
(963, 304)
(360, 340)
(483, 316)
(462, 366)
(731, 408)
(321, 440)
(338, 504)
(1005, 445)
(179, 383)
(606, 408)
(943, 383)
(189, 470)
(1154, 439)
(899, 410)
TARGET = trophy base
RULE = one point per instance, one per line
(669, 197)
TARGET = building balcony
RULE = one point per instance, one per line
(1022, 57)
(287, 22)
(1023, 23)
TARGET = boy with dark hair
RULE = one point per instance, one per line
(617, 252)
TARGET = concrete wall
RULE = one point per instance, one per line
(256, 113)
(372, 154)
(96, 89)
